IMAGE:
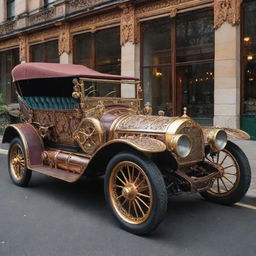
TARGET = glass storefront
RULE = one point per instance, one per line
(249, 57)
(8, 60)
(195, 64)
(248, 68)
(45, 52)
(157, 65)
(100, 50)
(178, 64)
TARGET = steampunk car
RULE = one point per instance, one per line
(75, 123)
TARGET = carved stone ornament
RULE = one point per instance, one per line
(42, 16)
(64, 39)
(128, 27)
(76, 5)
(226, 11)
(7, 27)
(173, 12)
(23, 47)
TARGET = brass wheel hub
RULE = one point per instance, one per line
(130, 192)
(17, 162)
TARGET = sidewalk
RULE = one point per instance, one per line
(248, 146)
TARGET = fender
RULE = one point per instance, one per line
(233, 133)
(33, 144)
(143, 144)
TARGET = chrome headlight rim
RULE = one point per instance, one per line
(217, 139)
(181, 145)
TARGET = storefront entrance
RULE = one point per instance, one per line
(8, 60)
(178, 64)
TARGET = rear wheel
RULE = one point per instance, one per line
(18, 171)
(234, 176)
(136, 192)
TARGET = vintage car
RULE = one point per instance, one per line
(75, 123)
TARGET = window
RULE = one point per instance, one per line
(195, 64)
(8, 60)
(178, 64)
(157, 65)
(46, 52)
(100, 51)
(10, 9)
(249, 58)
(47, 2)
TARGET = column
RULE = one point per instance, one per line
(227, 76)
(65, 44)
(66, 58)
(227, 63)
(130, 66)
(130, 48)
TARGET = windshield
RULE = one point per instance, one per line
(110, 89)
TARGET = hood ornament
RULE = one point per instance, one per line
(185, 109)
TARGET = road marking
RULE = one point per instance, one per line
(252, 207)
(3, 151)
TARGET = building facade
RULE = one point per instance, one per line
(195, 53)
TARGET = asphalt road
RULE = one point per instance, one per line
(52, 217)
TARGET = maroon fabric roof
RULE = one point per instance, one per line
(37, 70)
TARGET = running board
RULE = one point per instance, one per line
(57, 173)
(62, 165)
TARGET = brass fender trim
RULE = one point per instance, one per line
(233, 133)
(143, 144)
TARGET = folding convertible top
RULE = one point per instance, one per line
(38, 70)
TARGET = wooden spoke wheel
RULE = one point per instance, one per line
(19, 174)
(136, 192)
(234, 175)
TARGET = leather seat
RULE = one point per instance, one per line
(39, 102)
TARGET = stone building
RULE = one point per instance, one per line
(195, 53)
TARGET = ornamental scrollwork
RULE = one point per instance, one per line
(75, 5)
(226, 11)
(128, 26)
(23, 45)
(42, 16)
(89, 135)
(64, 43)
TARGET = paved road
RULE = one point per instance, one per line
(52, 217)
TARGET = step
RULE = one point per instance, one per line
(56, 173)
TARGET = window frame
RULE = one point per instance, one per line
(45, 50)
(177, 96)
(93, 36)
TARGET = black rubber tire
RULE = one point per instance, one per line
(159, 192)
(244, 182)
(23, 182)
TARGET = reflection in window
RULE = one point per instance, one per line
(195, 68)
(157, 65)
(101, 89)
(10, 9)
(195, 37)
(46, 52)
(249, 57)
(196, 81)
(100, 51)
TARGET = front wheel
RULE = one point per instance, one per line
(136, 192)
(234, 176)
(18, 171)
